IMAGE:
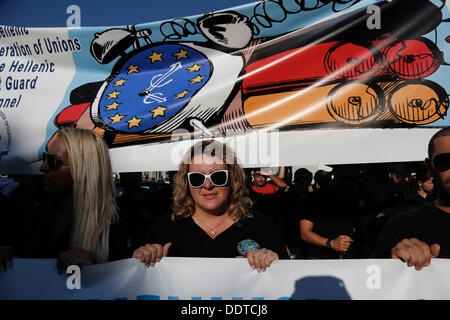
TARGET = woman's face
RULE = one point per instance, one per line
(427, 185)
(58, 179)
(209, 198)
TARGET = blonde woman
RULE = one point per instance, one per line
(211, 216)
(77, 170)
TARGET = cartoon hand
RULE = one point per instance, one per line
(248, 51)
(234, 119)
(229, 29)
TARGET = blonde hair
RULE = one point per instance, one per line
(183, 204)
(94, 205)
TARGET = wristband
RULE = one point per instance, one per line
(328, 244)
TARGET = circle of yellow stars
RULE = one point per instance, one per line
(160, 110)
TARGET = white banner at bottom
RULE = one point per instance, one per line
(227, 279)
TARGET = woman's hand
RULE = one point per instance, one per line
(260, 259)
(74, 256)
(151, 253)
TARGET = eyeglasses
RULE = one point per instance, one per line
(53, 162)
(442, 162)
(218, 178)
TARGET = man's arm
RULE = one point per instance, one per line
(278, 180)
(341, 243)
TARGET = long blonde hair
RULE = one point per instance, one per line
(93, 192)
(183, 204)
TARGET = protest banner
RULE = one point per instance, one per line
(329, 82)
(227, 279)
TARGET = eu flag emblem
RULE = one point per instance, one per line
(152, 86)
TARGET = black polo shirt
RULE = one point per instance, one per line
(189, 240)
(426, 223)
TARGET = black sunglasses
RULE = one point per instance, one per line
(442, 162)
(53, 162)
(218, 178)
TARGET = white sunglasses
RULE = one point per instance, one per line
(218, 178)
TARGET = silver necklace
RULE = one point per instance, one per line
(212, 230)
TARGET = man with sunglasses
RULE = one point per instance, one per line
(422, 234)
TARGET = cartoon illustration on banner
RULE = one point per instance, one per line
(338, 73)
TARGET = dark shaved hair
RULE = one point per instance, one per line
(441, 133)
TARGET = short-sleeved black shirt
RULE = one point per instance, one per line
(331, 217)
(189, 240)
(426, 223)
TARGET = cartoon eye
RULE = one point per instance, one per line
(415, 103)
(355, 100)
(354, 61)
(409, 58)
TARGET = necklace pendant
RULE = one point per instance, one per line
(213, 232)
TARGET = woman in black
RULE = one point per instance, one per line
(78, 223)
(211, 216)
(422, 188)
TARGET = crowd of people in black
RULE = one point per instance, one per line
(348, 205)
(75, 213)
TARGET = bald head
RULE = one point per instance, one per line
(432, 144)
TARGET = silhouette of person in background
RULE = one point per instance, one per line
(292, 205)
(266, 194)
(328, 225)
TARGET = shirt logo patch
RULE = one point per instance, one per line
(247, 245)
